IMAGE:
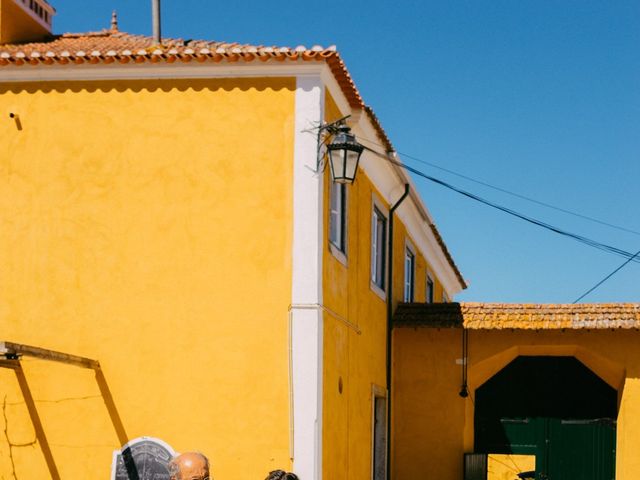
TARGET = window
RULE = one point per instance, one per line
(378, 247)
(409, 274)
(379, 469)
(430, 289)
(338, 216)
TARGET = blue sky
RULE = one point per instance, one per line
(537, 97)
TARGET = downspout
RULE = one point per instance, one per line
(390, 322)
(155, 12)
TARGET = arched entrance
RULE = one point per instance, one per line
(554, 408)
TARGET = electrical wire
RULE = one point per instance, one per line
(579, 238)
(509, 192)
(606, 278)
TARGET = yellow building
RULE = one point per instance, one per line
(163, 217)
(548, 389)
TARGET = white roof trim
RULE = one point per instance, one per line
(133, 71)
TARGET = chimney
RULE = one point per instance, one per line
(25, 20)
(157, 33)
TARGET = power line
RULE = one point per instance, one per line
(540, 223)
(509, 192)
(606, 278)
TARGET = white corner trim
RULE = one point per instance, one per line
(307, 325)
(161, 71)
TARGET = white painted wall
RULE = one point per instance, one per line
(306, 323)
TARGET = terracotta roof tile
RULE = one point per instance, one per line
(124, 45)
(498, 316)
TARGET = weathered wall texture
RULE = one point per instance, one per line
(148, 226)
(434, 426)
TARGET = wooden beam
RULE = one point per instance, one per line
(15, 350)
(10, 348)
(9, 363)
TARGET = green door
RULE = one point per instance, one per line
(581, 449)
(554, 408)
(564, 449)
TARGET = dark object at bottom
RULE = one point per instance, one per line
(143, 460)
(475, 466)
(527, 475)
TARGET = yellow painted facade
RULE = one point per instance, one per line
(170, 229)
(355, 339)
(148, 225)
(17, 26)
(434, 425)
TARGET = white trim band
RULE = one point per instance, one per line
(307, 325)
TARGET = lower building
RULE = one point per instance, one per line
(496, 391)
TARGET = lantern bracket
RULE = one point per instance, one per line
(331, 129)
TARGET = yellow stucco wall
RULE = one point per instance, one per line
(355, 343)
(434, 426)
(17, 26)
(148, 225)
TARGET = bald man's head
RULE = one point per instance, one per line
(189, 466)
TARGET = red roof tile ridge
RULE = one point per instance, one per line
(496, 316)
(99, 33)
(550, 306)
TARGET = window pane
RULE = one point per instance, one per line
(337, 216)
(380, 438)
(378, 248)
(429, 290)
(333, 214)
(409, 267)
(381, 249)
(342, 189)
(374, 247)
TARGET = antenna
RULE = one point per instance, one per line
(157, 35)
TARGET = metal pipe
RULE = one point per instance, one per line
(157, 33)
(390, 322)
(464, 389)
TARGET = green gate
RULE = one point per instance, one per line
(554, 408)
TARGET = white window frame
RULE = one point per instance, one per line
(430, 293)
(409, 287)
(379, 288)
(339, 251)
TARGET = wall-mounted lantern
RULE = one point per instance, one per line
(343, 151)
(344, 155)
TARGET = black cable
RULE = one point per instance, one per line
(574, 236)
(509, 192)
(606, 278)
